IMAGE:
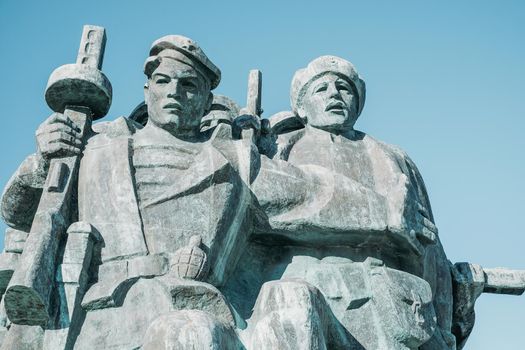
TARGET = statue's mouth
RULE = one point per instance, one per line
(173, 106)
(335, 106)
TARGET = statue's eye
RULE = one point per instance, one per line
(344, 87)
(162, 80)
(320, 88)
(189, 85)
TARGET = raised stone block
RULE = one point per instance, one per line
(21, 337)
(71, 273)
(55, 339)
(8, 264)
(147, 266)
(77, 247)
(14, 240)
(504, 281)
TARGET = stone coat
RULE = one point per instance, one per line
(108, 200)
(333, 202)
(141, 227)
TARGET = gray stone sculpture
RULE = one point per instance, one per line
(195, 224)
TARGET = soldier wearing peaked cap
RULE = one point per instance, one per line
(155, 194)
(185, 50)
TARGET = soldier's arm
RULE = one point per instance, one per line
(415, 213)
(22, 193)
(311, 203)
(56, 137)
(409, 205)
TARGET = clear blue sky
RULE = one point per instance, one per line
(445, 82)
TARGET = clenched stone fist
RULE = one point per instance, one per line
(58, 136)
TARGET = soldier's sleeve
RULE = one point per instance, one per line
(419, 185)
(22, 194)
(436, 265)
(415, 184)
(311, 203)
(23, 191)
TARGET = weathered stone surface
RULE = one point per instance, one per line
(55, 339)
(22, 337)
(190, 329)
(504, 281)
(147, 266)
(74, 91)
(82, 83)
(197, 224)
(222, 110)
(14, 240)
(73, 276)
(116, 277)
(293, 314)
(470, 281)
(124, 327)
(195, 295)
(8, 264)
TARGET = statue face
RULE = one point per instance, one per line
(330, 103)
(177, 97)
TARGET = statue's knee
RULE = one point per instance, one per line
(189, 329)
(290, 314)
(288, 294)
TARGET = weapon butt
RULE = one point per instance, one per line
(25, 306)
(253, 100)
(504, 281)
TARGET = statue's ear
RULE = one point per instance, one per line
(209, 102)
(146, 93)
(301, 113)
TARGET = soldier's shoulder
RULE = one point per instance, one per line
(108, 132)
(121, 126)
(286, 141)
(391, 150)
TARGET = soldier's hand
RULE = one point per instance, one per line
(245, 121)
(58, 136)
(419, 230)
(425, 230)
(413, 223)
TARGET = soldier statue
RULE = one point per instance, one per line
(195, 224)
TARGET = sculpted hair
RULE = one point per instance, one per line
(153, 62)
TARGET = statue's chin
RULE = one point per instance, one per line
(174, 122)
(334, 128)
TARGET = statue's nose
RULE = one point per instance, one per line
(174, 90)
(332, 91)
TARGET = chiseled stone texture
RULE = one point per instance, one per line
(195, 224)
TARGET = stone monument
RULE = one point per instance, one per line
(197, 224)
